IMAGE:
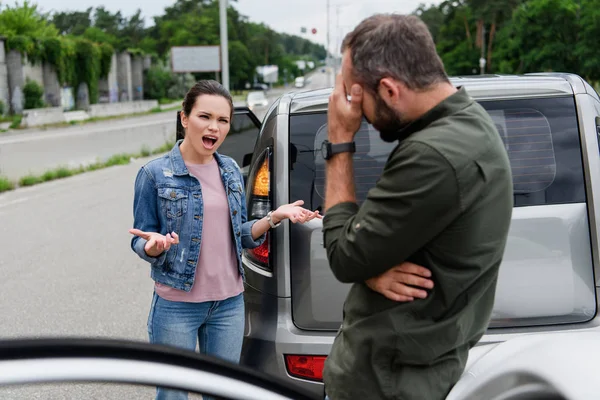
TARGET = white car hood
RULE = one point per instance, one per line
(565, 364)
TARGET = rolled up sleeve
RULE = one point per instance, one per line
(247, 241)
(145, 215)
(416, 197)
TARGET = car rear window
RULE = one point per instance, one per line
(541, 137)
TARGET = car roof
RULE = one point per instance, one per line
(480, 87)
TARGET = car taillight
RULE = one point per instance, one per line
(259, 205)
(305, 367)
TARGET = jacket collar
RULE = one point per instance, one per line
(446, 107)
(178, 165)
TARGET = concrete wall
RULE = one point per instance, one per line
(67, 98)
(16, 78)
(42, 116)
(124, 77)
(33, 72)
(137, 77)
(131, 107)
(109, 87)
(52, 89)
(4, 97)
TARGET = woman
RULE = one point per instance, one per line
(190, 224)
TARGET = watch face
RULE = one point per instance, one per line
(325, 149)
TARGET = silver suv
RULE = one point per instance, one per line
(549, 124)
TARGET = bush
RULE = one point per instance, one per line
(1, 108)
(157, 82)
(16, 121)
(33, 93)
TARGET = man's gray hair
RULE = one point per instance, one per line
(394, 46)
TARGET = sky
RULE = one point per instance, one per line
(287, 16)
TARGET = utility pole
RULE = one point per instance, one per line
(223, 4)
(337, 35)
(327, 57)
(482, 60)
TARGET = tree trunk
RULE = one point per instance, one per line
(491, 44)
(478, 41)
(468, 32)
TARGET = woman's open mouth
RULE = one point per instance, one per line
(209, 141)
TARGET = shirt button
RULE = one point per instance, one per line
(173, 195)
(238, 233)
(234, 212)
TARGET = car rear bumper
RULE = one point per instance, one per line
(271, 335)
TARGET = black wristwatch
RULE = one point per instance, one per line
(328, 149)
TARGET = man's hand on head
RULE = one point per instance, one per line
(344, 117)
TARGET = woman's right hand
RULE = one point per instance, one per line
(156, 243)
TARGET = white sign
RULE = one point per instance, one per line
(195, 59)
(270, 73)
(301, 64)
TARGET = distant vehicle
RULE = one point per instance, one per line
(260, 86)
(256, 99)
(299, 82)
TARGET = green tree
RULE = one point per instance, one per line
(241, 58)
(493, 14)
(433, 17)
(587, 43)
(456, 40)
(543, 34)
(25, 20)
(72, 22)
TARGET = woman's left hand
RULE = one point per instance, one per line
(295, 213)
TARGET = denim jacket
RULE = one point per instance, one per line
(169, 199)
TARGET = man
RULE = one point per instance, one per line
(444, 202)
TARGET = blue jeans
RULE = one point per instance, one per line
(217, 326)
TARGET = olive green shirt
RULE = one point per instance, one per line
(444, 201)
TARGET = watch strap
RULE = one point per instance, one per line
(343, 147)
(273, 225)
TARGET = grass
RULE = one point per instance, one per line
(6, 184)
(16, 122)
(65, 172)
(168, 101)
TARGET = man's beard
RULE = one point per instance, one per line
(387, 121)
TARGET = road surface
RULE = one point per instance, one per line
(68, 269)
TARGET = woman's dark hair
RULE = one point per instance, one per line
(209, 87)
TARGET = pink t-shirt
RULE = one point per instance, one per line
(217, 276)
